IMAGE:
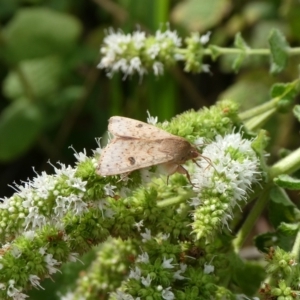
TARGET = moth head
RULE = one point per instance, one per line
(193, 153)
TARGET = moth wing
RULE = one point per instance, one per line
(125, 155)
(126, 127)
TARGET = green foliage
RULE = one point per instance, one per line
(24, 123)
(278, 48)
(37, 32)
(53, 96)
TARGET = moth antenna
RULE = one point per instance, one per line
(208, 161)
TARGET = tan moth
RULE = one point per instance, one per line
(138, 145)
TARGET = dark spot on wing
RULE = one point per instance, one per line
(131, 160)
(139, 125)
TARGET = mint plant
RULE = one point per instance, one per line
(167, 240)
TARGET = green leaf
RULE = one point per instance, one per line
(284, 90)
(249, 277)
(281, 208)
(200, 15)
(271, 239)
(296, 111)
(20, 125)
(37, 78)
(287, 182)
(38, 32)
(215, 52)
(278, 47)
(289, 229)
(259, 145)
(242, 45)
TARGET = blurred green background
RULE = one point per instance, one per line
(53, 96)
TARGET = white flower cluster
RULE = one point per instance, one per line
(46, 199)
(136, 53)
(144, 259)
(44, 186)
(16, 292)
(230, 168)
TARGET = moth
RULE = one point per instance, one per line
(138, 145)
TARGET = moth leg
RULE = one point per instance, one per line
(180, 169)
(124, 177)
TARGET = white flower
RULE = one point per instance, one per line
(15, 251)
(51, 263)
(139, 225)
(151, 120)
(146, 281)
(146, 235)
(143, 258)
(208, 268)
(177, 274)
(165, 236)
(109, 190)
(168, 35)
(102, 204)
(35, 281)
(166, 264)
(158, 68)
(73, 256)
(119, 295)
(30, 234)
(136, 273)
(167, 294)
(81, 156)
(205, 38)
(14, 292)
(77, 183)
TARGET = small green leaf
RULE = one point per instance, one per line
(42, 77)
(20, 125)
(281, 208)
(240, 43)
(296, 111)
(36, 32)
(287, 182)
(284, 90)
(278, 47)
(215, 51)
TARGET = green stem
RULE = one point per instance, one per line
(253, 112)
(287, 165)
(251, 219)
(258, 121)
(25, 84)
(296, 248)
(176, 200)
(249, 52)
